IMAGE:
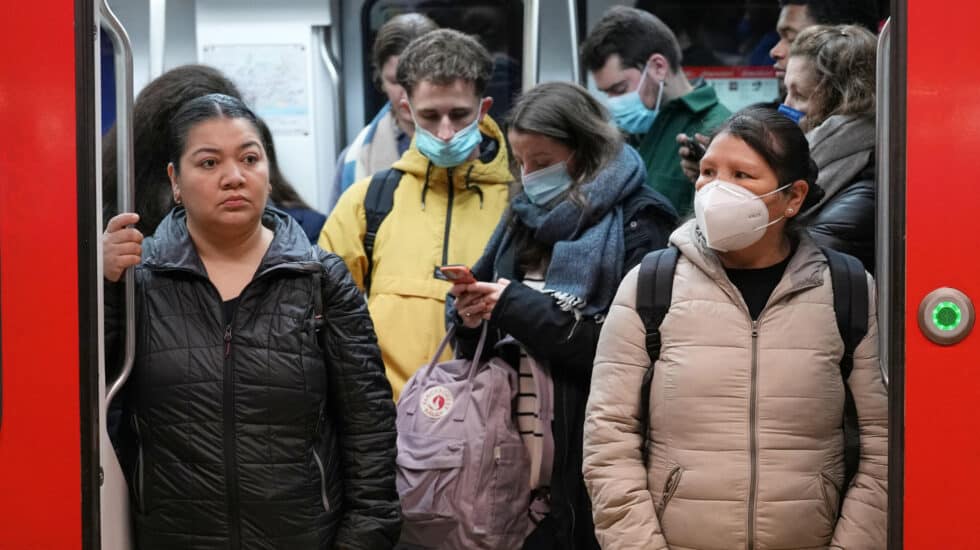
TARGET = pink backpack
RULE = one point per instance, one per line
(463, 470)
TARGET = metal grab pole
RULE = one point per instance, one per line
(126, 185)
(883, 193)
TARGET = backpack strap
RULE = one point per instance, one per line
(378, 203)
(654, 286)
(851, 309)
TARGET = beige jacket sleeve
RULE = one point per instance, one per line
(864, 518)
(613, 467)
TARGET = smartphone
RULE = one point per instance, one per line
(695, 148)
(458, 273)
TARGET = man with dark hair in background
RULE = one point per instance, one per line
(796, 15)
(385, 139)
(635, 60)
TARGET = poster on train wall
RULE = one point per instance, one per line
(272, 79)
(739, 87)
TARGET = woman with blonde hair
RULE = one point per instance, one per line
(830, 82)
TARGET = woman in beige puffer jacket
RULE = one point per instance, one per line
(745, 440)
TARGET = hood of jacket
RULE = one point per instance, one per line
(491, 167)
(843, 147)
(171, 246)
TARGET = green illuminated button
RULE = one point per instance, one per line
(947, 316)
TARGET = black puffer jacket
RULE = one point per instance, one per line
(568, 345)
(843, 147)
(847, 221)
(249, 435)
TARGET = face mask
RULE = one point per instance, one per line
(730, 216)
(630, 113)
(446, 154)
(544, 185)
(791, 113)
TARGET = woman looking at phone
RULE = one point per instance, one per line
(550, 271)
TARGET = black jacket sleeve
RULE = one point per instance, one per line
(547, 332)
(847, 223)
(361, 400)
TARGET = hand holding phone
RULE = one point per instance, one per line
(458, 274)
(695, 149)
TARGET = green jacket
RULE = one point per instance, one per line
(698, 111)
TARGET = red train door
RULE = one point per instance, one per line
(941, 383)
(48, 437)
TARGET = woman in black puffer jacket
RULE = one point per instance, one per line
(830, 80)
(257, 415)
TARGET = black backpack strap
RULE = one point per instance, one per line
(851, 303)
(654, 286)
(378, 203)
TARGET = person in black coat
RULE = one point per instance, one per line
(830, 80)
(549, 274)
(257, 414)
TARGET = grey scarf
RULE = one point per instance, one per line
(842, 147)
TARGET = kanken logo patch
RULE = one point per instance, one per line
(436, 402)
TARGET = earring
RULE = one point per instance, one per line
(789, 210)
(176, 199)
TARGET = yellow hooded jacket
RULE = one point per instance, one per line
(440, 216)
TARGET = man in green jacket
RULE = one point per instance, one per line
(635, 60)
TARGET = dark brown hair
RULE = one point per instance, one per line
(634, 35)
(442, 57)
(394, 36)
(152, 111)
(780, 142)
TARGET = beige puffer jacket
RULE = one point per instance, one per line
(745, 418)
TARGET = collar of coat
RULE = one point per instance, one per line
(805, 268)
(171, 246)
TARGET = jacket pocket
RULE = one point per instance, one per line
(509, 490)
(323, 481)
(670, 487)
(426, 478)
(831, 496)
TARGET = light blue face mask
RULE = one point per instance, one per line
(545, 185)
(446, 154)
(791, 113)
(630, 113)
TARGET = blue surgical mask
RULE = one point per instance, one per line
(447, 154)
(544, 185)
(791, 113)
(630, 113)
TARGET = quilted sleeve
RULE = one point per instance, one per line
(615, 476)
(863, 522)
(362, 403)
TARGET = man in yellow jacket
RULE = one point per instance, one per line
(452, 193)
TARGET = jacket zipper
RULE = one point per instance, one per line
(323, 481)
(319, 462)
(753, 436)
(140, 503)
(231, 453)
(449, 218)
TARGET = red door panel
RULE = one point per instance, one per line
(40, 479)
(942, 385)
